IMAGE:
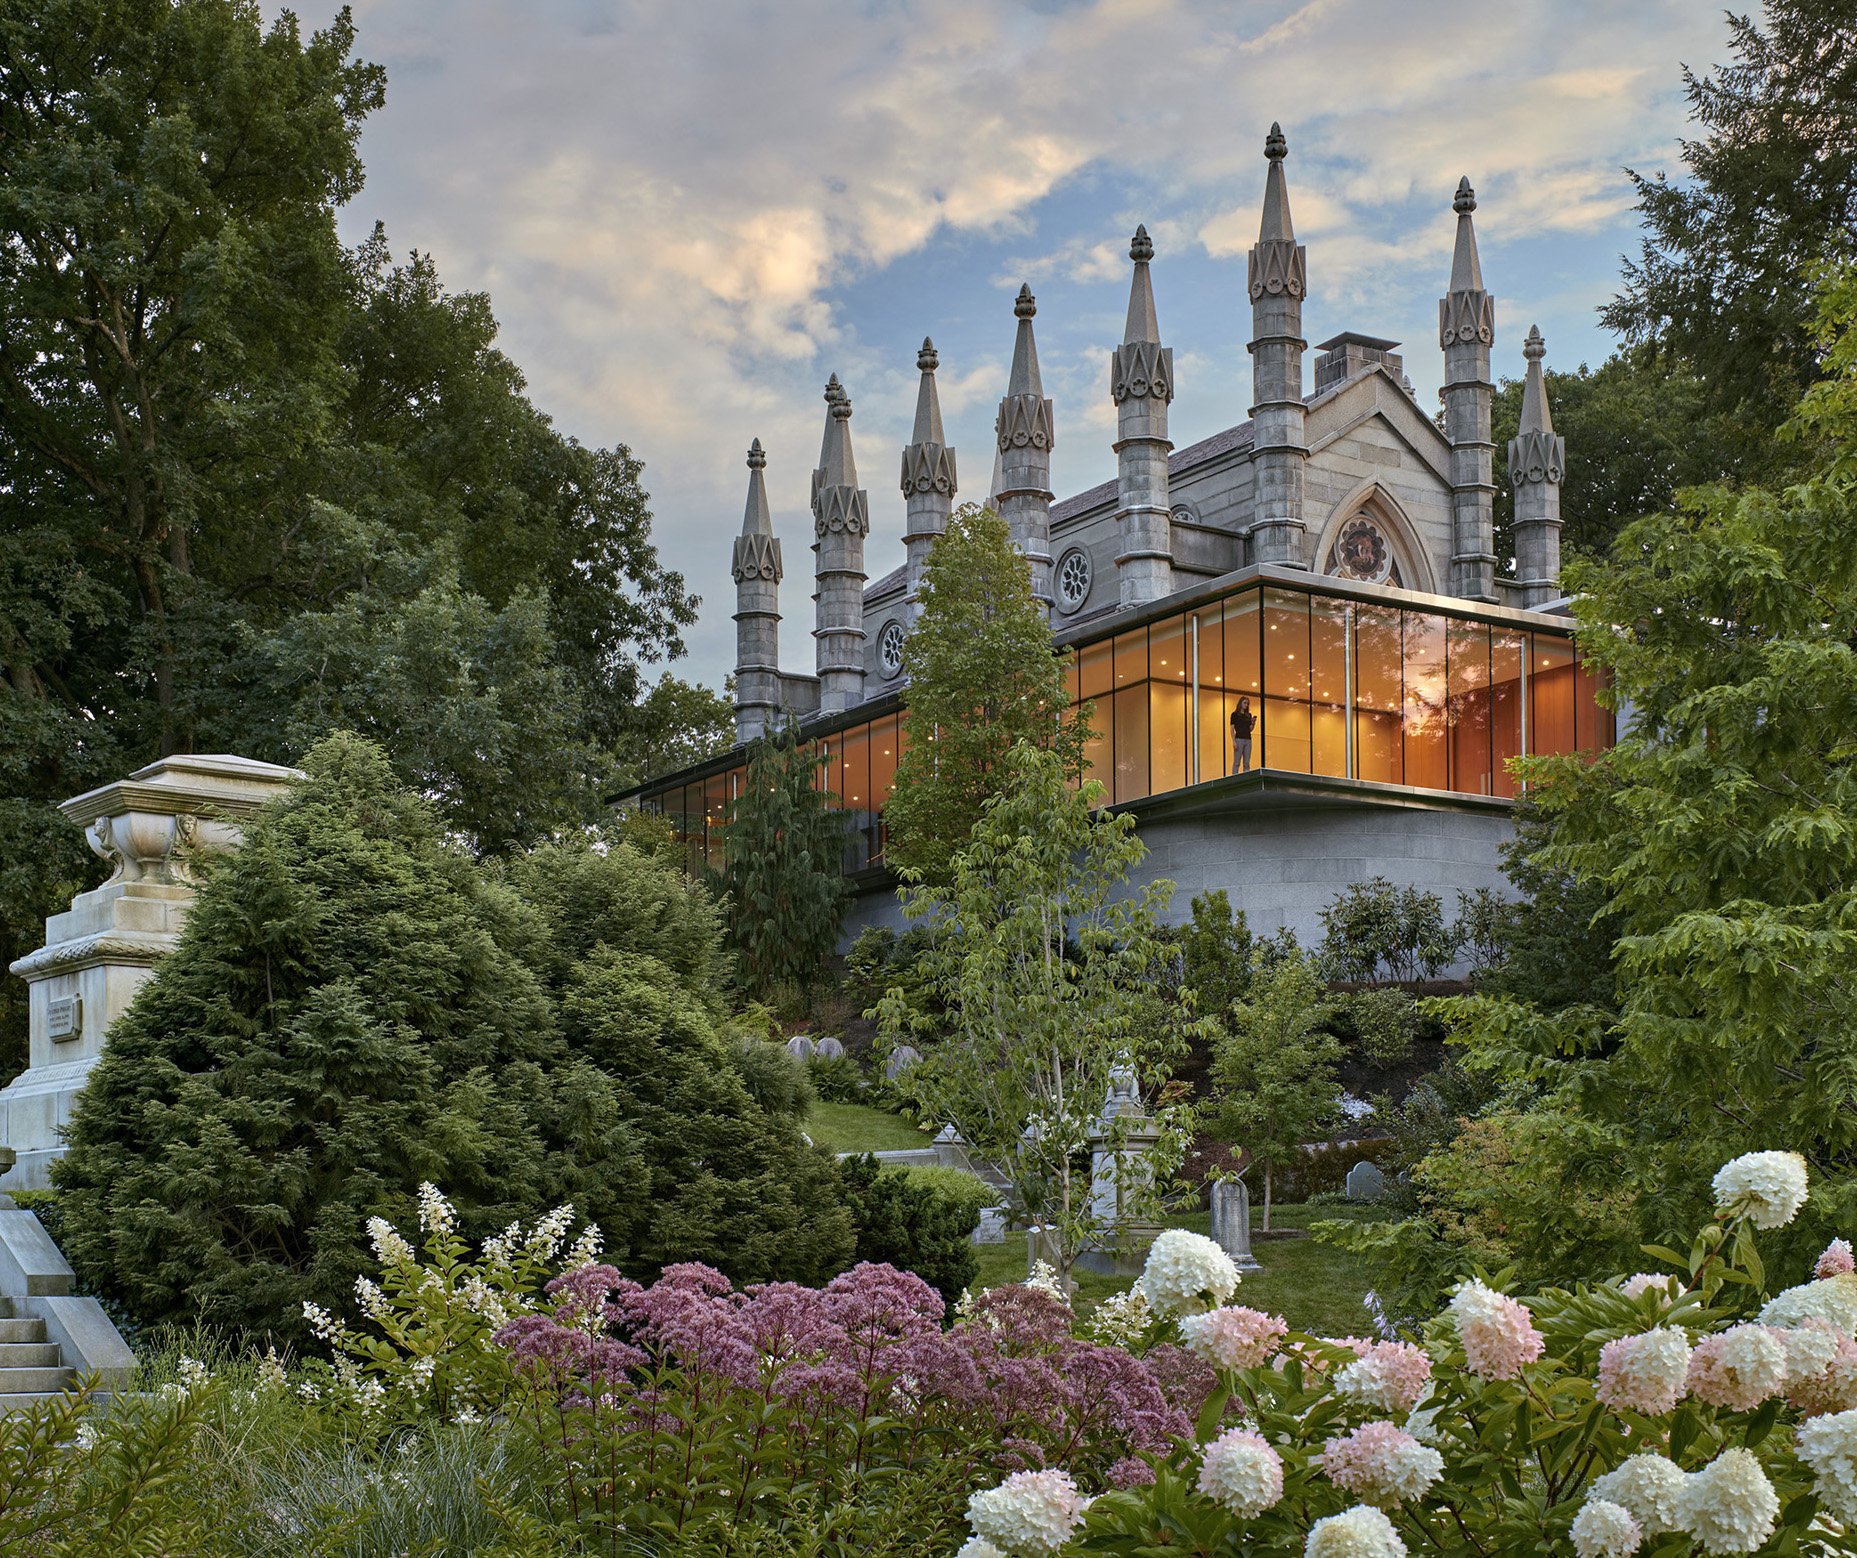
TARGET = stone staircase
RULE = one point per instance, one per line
(31, 1366)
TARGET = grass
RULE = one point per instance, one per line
(1316, 1287)
(859, 1128)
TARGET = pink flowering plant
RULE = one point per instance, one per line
(1689, 1411)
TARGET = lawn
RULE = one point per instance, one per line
(858, 1128)
(1316, 1287)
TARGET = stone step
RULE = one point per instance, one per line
(30, 1355)
(16, 1331)
(36, 1382)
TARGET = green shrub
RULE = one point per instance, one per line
(915, 1220)
(835, 1078)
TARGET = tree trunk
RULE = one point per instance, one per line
(1266, 1227)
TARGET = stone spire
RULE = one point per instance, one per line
(1141, 382)
(1278, 282)
(757, 569)
(1537, 460)
(928, 478)
(1025, 437)
(840, 522)
(1466, 329)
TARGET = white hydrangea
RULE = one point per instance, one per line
(194, 1375)
(1031, 1512)
(1728, 1506)
(435, 1214)
(1186, 1273)
(390, 1246)
(586, 1249)
(1767, 1188)
(1641, 1282)
(321, 1322)
(1831, 1299)
(1809, 1351)
(1360, 1532)
(1118, 1321)
(1828, 1445)
(271, 1375)
(1647, 1485)
(1044, 1280)
(86, 1436)
(467, 1416)
(548, 1234)
(421, 1372)
(1603, 1529)
(373, 1302)
(979, 1547)
(1240, 1470)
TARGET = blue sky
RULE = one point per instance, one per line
(688, 213)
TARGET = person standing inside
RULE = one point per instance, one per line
(1243, 723)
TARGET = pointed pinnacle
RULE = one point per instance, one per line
(1276, 148)
(928, 359)
(1024, 378)
(1536, 417)
(1025, 305)
(757, 456)
(928, 428)
(1466, 268)
(1143, 324)
(1534, 348)
(1141, 246)
(758, 520)
(1465, 200)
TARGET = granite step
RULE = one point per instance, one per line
(30, 1355)
(36, 1381)
(15, 1332)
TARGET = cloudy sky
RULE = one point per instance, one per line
(688, 213)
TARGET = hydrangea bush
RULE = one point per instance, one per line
(1682, 1412)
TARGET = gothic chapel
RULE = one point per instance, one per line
(1325, 572)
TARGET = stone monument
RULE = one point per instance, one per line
(150, 827)
(1120, 1172)
(1231, 1222)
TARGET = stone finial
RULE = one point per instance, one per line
(1465, 200)
(928, 465)
(1534, 348)
(1025, 305)
(834, 391)
(1141, 246)
(1278, 266)
(757, 456)
(928, 359)
(757, 553)
(1536, 417)
(1276, 227)
(1466, 268)
(1276, 146)
(1143, 323)
(1024, 378)
(759, 519)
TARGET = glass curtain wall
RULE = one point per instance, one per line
(1326, 685)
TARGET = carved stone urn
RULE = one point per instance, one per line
(154, 828)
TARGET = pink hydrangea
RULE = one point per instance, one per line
(1391, 1376)
(1233, 1337)
(1646, 1373)
(1836, 1261)
(1739, 1368)
(1830, 1388)
(1497, 1333)
(1381, 1463)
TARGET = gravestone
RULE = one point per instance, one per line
(992, 1225)
(800, 1047)
(901, 1059)
(828, 1048)
(1365, 1182)
(1231, 1221)
(150, 827)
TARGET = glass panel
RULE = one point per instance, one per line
(1505, 702)
(1167, 709)
(1286, 681)
(1244, 692)
(1378, 695)
(1467, 703)
(884, 752)
(1550, 695)
(1131, 658)
(1094, 668)
(715, 814)
(854, 767)
(1592, 723)
(1214, 734)
(1424, 701)
(831, 749)
(1169, 664)
(1328, 683)
(1131, 744)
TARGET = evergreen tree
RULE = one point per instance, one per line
(783, 869)
(982, 678)
(1771, 194)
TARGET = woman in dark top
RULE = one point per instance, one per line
(1243, 723)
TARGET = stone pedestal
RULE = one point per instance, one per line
(99, 952)
(1231, 1222)
(1121, 1175)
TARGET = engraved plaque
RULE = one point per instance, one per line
(64, 1018)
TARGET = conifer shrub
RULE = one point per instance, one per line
(915, 1223)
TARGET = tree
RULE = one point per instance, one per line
(1719, 836)
(1771, 196)
(259, 487)
(982, 678)
(782, 868)
(1273, 1069)
(1033, 991)
(356, 1005)
(1374, 930)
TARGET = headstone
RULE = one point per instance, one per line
(1231, 1221)
(901, 1059)
(800, 1047)
(828, 1048)
(1365, 1182)
(992, 1227)
(150, 827)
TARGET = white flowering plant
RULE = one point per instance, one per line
(1685, 1411)
(423, 1341)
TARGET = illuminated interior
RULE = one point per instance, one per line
(1338, 687)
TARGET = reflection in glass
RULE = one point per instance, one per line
(1328, 685)
(1378, 697)
(1550, 694)
(1131, 743)
(1244, 628)
(1467, 693)
(1423, 675)
(1506, 701)
(1214, 736)
(1286, 680)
